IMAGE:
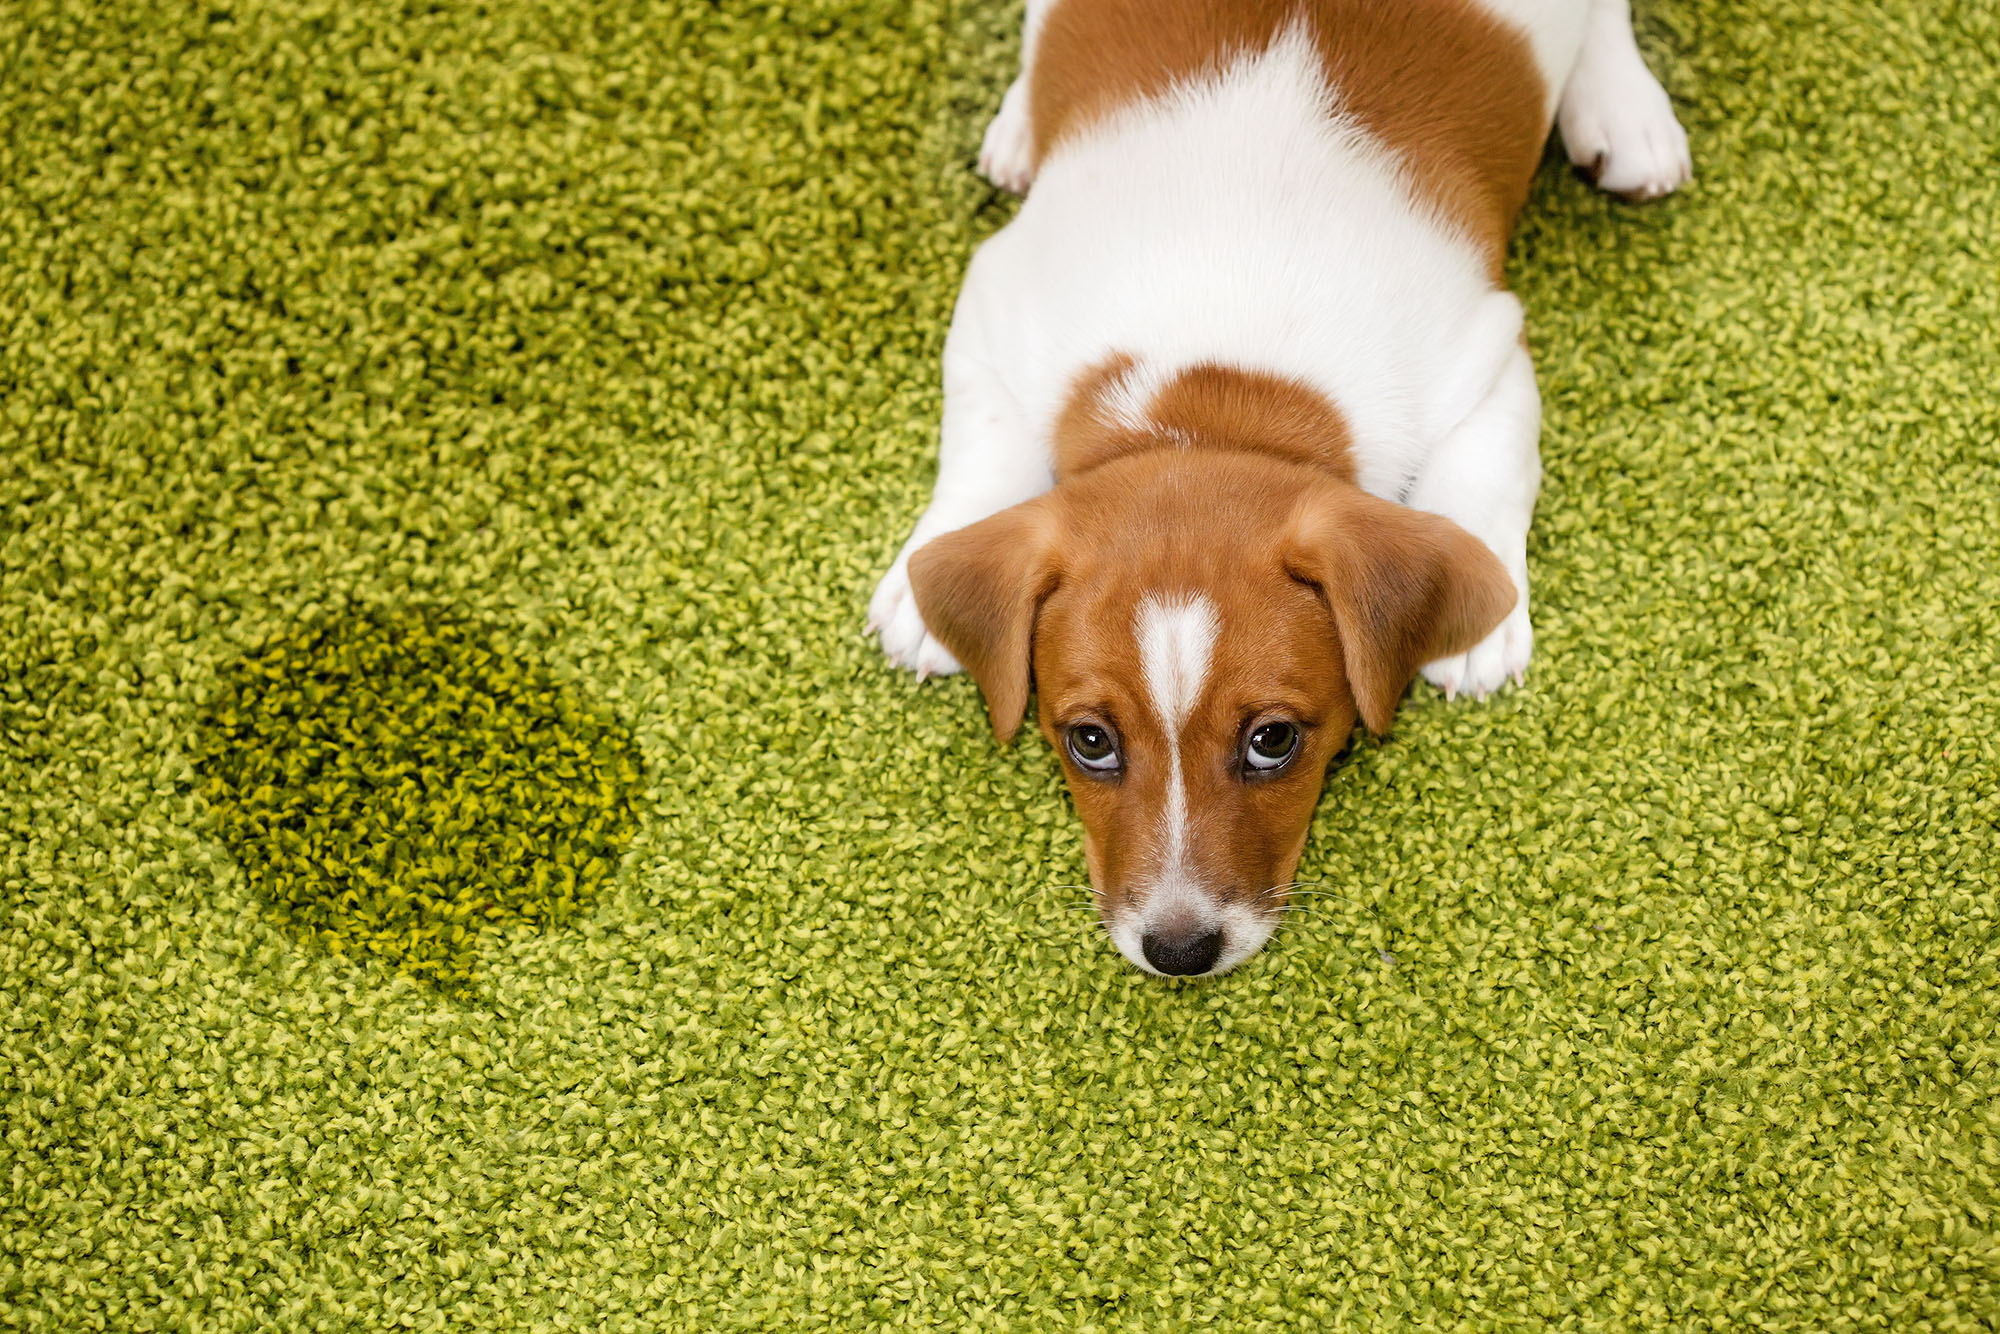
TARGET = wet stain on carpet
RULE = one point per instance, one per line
(399, 783)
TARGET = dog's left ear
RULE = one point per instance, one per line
(979, 589)
(1405, 587)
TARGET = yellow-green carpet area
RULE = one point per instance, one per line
(462, 866)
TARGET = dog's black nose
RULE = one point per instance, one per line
(1182, 956)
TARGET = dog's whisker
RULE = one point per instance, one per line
(1052, 889)
(1066, 929)
(1270, 897)
(1063, 932)
(1091, 905)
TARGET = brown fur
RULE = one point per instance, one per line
(1330, 599)
(1207, 404)
(1086, 434)
(1276, 655)
(1449, 86)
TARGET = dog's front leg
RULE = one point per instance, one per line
(988, 459)
(1484, 476)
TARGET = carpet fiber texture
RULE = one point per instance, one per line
(461, 864)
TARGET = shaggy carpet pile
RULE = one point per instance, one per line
(462, 865)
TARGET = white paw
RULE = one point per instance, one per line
(1619, 130)
(1007, 153)
(1491, 663)
(893, 614)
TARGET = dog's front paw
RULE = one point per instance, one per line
(893, 614)
(1491, 663)
(1619, 129)
(1007, 153)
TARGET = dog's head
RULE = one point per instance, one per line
(1202, 630)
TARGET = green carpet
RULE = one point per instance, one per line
(462, 866)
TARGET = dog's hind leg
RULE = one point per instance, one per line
(1617, 123)
(1007, 153)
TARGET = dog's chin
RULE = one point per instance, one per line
(1243, 930)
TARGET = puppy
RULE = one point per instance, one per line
(1239, 425)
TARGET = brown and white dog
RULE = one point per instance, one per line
(1239, 427)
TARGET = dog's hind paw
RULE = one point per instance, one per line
(1007, 153)
(893, 616)
(1619, 129)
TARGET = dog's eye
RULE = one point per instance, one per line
(1092, 746)
(1270, 747)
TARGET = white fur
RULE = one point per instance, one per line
(1129, 398)
(1176, 644)
(1483, 476)
(1177, 636)
(1007, 153)
(982, 469)
(1176, 640)
(1555, 31)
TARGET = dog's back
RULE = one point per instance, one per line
(1320, 190)
(1461, 91)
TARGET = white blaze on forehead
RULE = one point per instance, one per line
(1176, 640)
(1177, 635)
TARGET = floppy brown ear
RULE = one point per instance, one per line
(1404, 587)
(979, 589)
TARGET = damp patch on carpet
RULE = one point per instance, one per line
(399, 782)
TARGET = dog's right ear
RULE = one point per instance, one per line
(979, 589)
(1404, 588)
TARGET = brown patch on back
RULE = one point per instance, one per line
(1452, 88)
(1206, 405)
(1251, 410)
(1087, 432)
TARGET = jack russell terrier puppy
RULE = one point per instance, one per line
(1239, 426)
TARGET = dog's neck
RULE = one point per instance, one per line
(1121, 407)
